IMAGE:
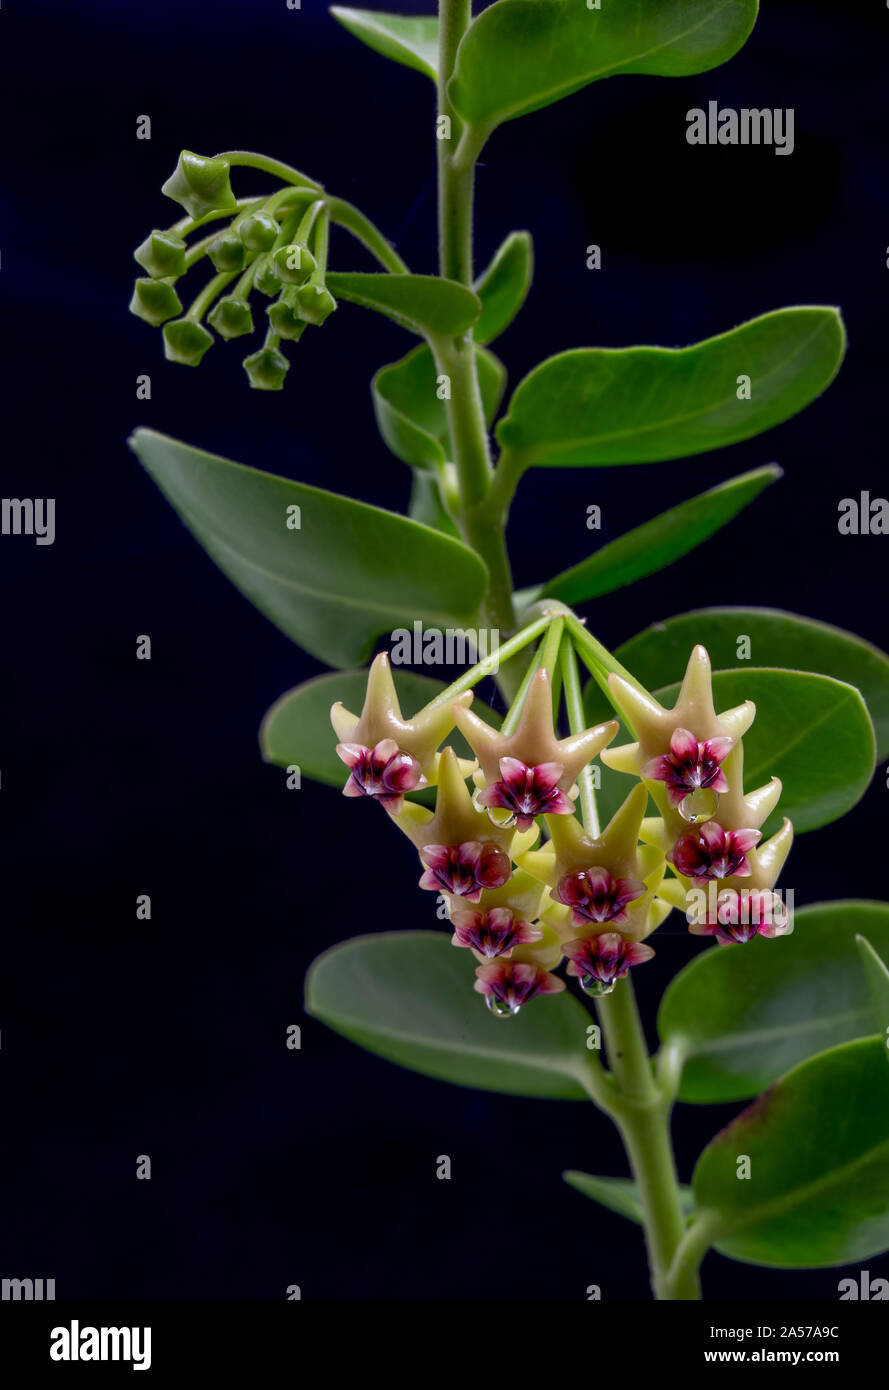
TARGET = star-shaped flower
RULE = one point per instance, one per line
(738, 916)
(382, 719)
(654, 726)
(534, 741)
(616, 851)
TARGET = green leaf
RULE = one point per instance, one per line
(739, 1016)
(410, 416)
(520, 55)
(426, 505)
(408, 996)
(621, 1194)
(818, 1150)
(413, 42)
(812, 731)
(658, 543)
(503, 287)
(297, 730)
(776, 639)
(595, 406)
(349, 573)
(420, 303)
(877, 976)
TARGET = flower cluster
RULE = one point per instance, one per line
(275, 245)
(591, 898)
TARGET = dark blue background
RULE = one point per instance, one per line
(121, 777)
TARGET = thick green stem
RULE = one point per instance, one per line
(456, 358)
(455, 186)
(643, 1118)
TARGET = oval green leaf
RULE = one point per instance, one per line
(776, 639)
(812, 731)
(411, 417)
(520, 55)
(658, 543)
(503, 287)
(409, 997)
(595, 406)
(818, 1150)
(411, 41)
(297, 730)
(420, 303)
(621, 1195)
(347, 574)
(738, 1017)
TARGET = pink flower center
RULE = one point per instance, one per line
(594, 895)
(527, 792)
(465, 870)
(690, 766)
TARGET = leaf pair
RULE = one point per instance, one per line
(520, 55)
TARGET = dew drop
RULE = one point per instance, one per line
(499, 1007)
(595, 988)
(699, 806)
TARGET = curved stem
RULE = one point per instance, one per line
(346, 215)
(574, 705)
(249, 159)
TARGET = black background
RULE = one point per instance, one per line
(122, 777)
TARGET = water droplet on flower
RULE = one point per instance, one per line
(699, 806)
(595, 988)
(499, 1007)
(500, 817)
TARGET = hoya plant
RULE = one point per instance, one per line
(558, 825)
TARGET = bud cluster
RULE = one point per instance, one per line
(589, 898)
(275, 246)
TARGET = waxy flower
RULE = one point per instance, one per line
(740, 915)
(507, 986)
(594, 895)
(634, 871)
(464, 869)
(527, 792)
(381, 718)
(713, 852)
(492, 933)
(690, 765)
(462, 839)
(383, 772)
(600, 961)
(656, 726)
(534, 744)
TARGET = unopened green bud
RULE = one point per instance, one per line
(266, 369)
(227, 251)
(315, 303)
(295, 264)
(231, 317)
(200, 184)
(259, 231)
(162, 254)
(266, 280)
(186, 341)
(155, 301)
(285, 321)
